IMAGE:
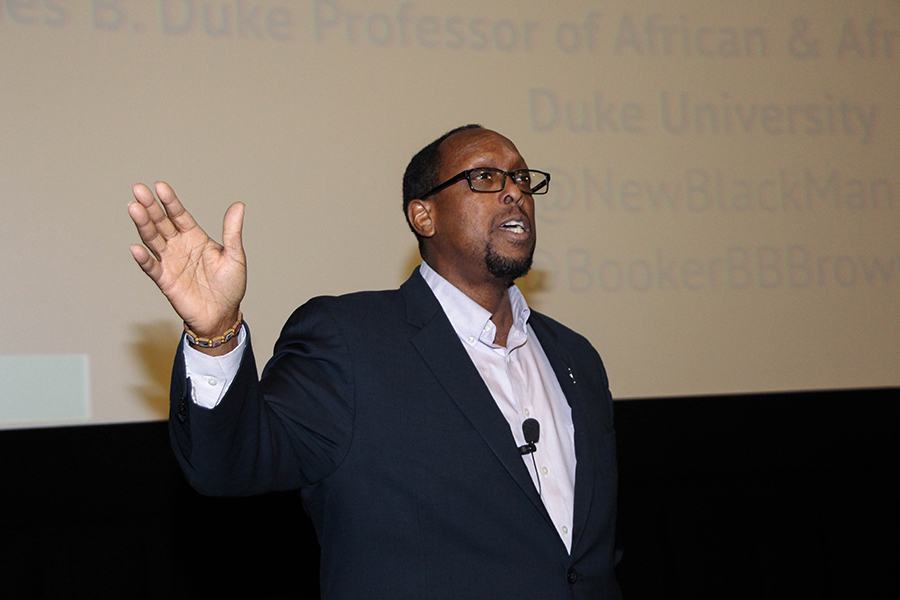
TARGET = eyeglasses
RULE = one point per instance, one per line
(488, 180)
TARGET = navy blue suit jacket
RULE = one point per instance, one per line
(406, 465)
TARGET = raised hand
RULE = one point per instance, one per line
(203, 280)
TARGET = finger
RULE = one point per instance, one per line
(163, 225)
(231, 230)
(150, 265)
(177, 213)
(147, 229)
(142, 193)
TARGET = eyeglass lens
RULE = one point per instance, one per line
(493, 180)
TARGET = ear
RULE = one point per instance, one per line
(419, 214)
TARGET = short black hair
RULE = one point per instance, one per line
(423, 170)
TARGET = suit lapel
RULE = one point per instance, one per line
(440, 348)
(587, 464)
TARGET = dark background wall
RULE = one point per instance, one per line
(766, 496)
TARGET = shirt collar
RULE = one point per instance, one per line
(470, 320)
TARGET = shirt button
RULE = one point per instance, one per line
(544, 470)
(565, 529)
(471, 339)
(487, 327)
(527, 413)
(212, 381)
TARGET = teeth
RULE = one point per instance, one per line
(514, 226)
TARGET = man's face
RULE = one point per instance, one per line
(482, 235)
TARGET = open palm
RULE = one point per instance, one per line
(204, 281)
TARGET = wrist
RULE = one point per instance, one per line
(206, 344)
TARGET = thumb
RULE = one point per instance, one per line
(231, 229)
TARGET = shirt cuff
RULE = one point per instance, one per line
(211, 376)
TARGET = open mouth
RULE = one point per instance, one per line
(514, 226)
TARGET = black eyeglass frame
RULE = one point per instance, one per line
(467, 175)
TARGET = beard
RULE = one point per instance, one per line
(505, 268)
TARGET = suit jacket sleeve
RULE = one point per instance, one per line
(290, 429)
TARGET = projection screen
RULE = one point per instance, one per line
(722, 218)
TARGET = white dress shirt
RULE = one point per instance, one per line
(518, 376)
(524, 386)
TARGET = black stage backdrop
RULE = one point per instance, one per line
(767, 496)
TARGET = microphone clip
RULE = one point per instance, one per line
(527, 448)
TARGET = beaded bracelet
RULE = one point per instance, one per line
(196, 340)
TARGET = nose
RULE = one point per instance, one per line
(511, 193)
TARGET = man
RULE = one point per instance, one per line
(399, 414)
